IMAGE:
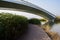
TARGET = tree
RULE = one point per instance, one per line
(34, 21)
(12, 26)
(43, 20)
(57, 19)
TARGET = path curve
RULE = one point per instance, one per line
(35, 33)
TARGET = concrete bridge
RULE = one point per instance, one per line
(27, 7)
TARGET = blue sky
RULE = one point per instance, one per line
(52, 6)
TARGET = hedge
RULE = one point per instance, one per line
(34, 21)
(12, 26)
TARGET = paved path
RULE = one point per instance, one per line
(35, 33)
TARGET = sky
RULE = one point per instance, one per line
(52, 6)
(28, 15)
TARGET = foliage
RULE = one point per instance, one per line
(53, 35)
(35, 21)
(12, 26)
(43, 20)
(57, 19)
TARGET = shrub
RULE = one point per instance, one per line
(35, 21)
(57, 20)
(12, 26)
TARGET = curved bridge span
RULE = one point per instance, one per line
(28, 7)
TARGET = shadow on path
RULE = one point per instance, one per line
(35, 33)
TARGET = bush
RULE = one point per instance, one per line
(57, 20)
(34, 21)
(12, 26)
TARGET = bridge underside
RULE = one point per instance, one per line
(28, 7)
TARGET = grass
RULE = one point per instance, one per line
(53, 35)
